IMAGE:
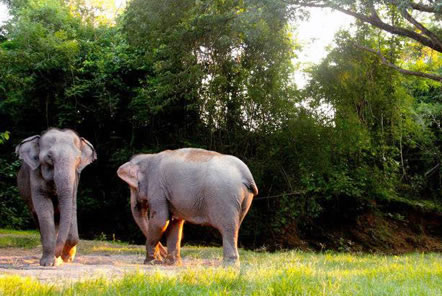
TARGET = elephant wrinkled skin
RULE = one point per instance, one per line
(48, 181)
(195, 185)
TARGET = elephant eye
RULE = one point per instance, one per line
(49, 159)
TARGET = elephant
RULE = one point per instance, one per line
(48, 180)
(189, 184)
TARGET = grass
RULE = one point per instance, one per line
(18, 232)
(19, 238)
(261, 273)
(283, 273)
(28, 239)
(426, 205)
(109, 248)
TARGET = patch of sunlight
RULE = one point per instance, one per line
(116, 249)
(16, 285)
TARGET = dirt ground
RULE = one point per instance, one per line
(25, 262)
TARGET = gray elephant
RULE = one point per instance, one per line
(48, 181)
(194, 185)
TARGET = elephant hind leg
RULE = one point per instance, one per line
(229, 234)
(174, 235)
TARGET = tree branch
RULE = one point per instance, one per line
(421, 27)
(374, 20)
(374, 13)
(394, 30)
(418, 6)
(401, 70)
(423, 7)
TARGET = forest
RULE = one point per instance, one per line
(351, 161)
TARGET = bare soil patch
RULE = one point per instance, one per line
(398, 229)
(25, 262)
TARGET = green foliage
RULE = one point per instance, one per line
(375, 121)
(215, 67)
(4, 137)
(13, 211)
(402, 28)
(218, 75)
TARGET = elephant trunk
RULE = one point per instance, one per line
(139, 212)
(64, 178)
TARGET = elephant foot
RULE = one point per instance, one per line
(161, 250)
(173, 260)
(47, 260)
(69, 253)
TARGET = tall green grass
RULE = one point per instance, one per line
(19, 238)
(282, 273)
(18, 232)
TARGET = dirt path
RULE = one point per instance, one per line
(25, 262)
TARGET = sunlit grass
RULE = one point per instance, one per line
(261, 273)
(10, 238)
(201, 252)
(112, 249)
(18, 232)
(282, 273)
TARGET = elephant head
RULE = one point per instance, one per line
(60, 156)
(130, 173)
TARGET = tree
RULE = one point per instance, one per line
(222, 67)
(383, 124)
(418, 22)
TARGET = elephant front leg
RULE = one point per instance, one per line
(158, 222)
(68, 254)
(70, 247)
(174, 242)
(45, 213)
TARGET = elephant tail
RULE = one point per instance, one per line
(252, 188)
(247, 178)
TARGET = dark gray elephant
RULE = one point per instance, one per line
(48, 181)
(195, 185)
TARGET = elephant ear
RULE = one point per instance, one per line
(128, 172)
(28, 150)
(88, 154)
